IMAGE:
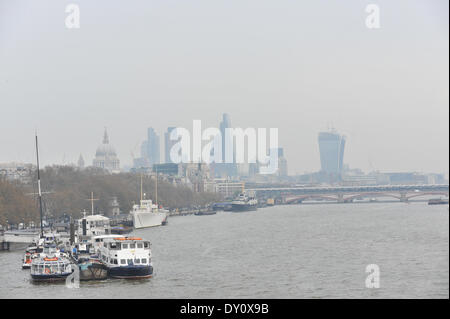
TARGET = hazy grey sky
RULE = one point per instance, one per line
(295, 65)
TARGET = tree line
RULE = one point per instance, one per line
(16, 206)
(66, 191)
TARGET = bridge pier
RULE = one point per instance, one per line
(403, 197)
(4, 245)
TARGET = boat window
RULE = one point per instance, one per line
(115, 246)
(146, 245)
(115, 261)
(130, 261)
(139, 245)
(97, 240)
(124, 246)
(123, 261)
(137, 261)
(132, 246)
(144, 260)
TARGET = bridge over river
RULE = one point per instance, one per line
(344, 194)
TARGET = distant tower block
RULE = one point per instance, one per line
(81, 161)
(331, 147)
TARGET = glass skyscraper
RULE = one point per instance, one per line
(331, 147)
(168, 143)
(153, 147)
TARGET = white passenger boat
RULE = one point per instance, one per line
(97, 241)
(127, 257)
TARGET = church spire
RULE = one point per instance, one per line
(105, 137)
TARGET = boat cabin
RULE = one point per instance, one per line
(94, 225)
(125, 251)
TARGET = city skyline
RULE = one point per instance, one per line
(152, 133)
(394, 116)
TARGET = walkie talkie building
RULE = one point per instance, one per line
(331, 147)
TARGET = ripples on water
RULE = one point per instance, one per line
(303, 251)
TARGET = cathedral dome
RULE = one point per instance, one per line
(105, 149)
(106, 157)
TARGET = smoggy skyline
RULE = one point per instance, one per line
(300, 67)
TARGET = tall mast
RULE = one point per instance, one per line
(92, 199)
(141, 187)
(156, 188)
(39, 188)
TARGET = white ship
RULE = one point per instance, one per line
(147, 214)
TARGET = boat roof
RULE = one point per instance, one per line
(95, 217)
(107, 236)
(126, 239)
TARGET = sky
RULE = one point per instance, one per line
(299, 66)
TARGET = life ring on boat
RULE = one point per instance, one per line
(47, 270)
(128, 238)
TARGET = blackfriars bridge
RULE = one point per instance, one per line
(345, 194)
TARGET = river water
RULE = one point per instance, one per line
(302, 251)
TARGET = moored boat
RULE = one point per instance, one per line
(244, 202)
(438, 201)
(27, 260)
(92, 268)
(147, 214)
(205, 212)
(127, 257)
(51, 265)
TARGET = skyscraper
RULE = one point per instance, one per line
(282, 163)
(150, 151)
(225, 169)
(153, 147)
(168, 144)
(331, 147)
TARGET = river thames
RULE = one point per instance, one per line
(302, 251)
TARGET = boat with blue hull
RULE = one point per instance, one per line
(243, 202)
(51, 265)
(127, 257)
(131, 271)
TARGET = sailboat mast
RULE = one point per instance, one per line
(141, 186)
(92, 203)
(156, 188)
(39, 188)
